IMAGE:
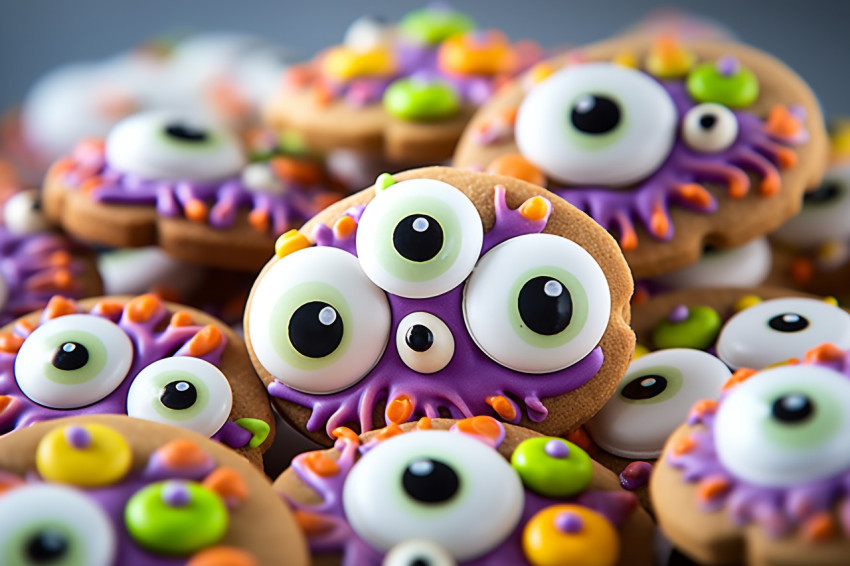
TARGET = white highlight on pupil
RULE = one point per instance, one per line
(648, 382)
(585, 104)
(420, 224)
(791, 318)
(553, 288)
(182, 386)
(69, 347)
(327, 316)
(421, 468)
(794, 402)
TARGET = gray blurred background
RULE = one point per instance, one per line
(36, 35)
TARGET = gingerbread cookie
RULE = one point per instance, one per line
(404, 92)
(442, 292)
(443, 492)
(760, 476)
(107, 490)
(151, 360)
(671, 146)
(186, 184)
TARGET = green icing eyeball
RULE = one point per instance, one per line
(433, 25)
(176, 517)
(699, 330)
(418, 101)
(725, 82)
(552, 467)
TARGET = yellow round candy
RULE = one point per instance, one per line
(90, 455)
(746, 301)
(570, 535)
(640, 350)
(344, 64)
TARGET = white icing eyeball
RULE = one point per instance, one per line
(653, 398)
(424, 343)
(744, 266)
(709, 128)
(418, 552)
(785, 426)
(537, 303)
(825, 215)
(434, 485)
(597, 124)
(22, 213)
(367, 33)
(134, 271)
(779, 329)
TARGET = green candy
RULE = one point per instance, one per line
(259, 430)
(417, 101)
(431, 26)
(698, 331)
(737, 87)
(552, 467)
(195, 519)
(384, 181)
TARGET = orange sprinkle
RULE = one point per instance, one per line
(487, 427)
(516, 166)
(344, 227)
(223, 556)
(322, 95)
(704, 407)
(712, 488)
(5, 401)
(9, 483)
(59, 306)
(683, 445)
(321, 465)
(88, 186)
(64, 165)
(312, 524)
(640, 296)
(62, 278)
(801, 270)
(290, 242)
(108, 308)
(299, 76)
(205, 341)
(819, 528)
(580, 438)
(298, 170)
(695, 194)
(346, 433)
(628, 238)
(142, 308)
(508, 115)
(424, 424)
(182, 453)
(781, 123)
(503, 407)
(534, 209)
(10, 343)
(739, 376)
(399, 409)
(824, 353)
(739, 185)
(659, 222)
(227, 483)
(196, 210)
(388, 432)
(770, 185)
(181, 318)
(324, 200)
(59, 258)
(24, 327)
(787, 157)
(259, 219)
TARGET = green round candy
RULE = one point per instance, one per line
(417, 101)
(736, 90)
(698, 331)
(552, 467)
(434, 25)
(195, 519)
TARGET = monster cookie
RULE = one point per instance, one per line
(109, 490)
(151, 360)
(670, 146)
(379, 317)
(186, 184)
(405, 92)
(473, 491)
(761, 475)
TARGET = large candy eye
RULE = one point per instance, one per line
(709, 128)
(744, 266)
(825, 215)
(419, 238)
(653, 399)
(316, 321)
(786, 426)
(780, 329)
(418, 552)
(433, 485)
(183, 391)
(424, 342)
(56, 526)
(537, 303)
(597, 123)
(22, 213)
(73, 361)
(169, 146)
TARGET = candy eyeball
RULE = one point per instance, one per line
(653, 398)
(537, 303)
(170, 146)
(785, 426)
(779, 329)
(825, 215)
(709, 128)
(418, 552)
(597, 124)
(22, 213)
(744, 266)
(424, 342)
(367, 33)
(316, 322)
(433, 485)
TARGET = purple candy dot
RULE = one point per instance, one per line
(176, 494)
(78, 437)
(728, 66)
(557, 449)
(679, 313)
(569, 522)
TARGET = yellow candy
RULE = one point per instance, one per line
(477, 54)
(90, 455)
(746, 302)
(626, 59)
(640, 350)
(831, 301)
(840, 139)
(591, 540)
(344, 64)
(540, 72)
(669, 60)
(289, 242)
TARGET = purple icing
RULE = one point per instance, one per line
(557, 449)
(635, 475)
(678, 314)
(176, 494)
(728, 66)
(78, 437)
(569, 522)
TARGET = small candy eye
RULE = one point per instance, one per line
(182, 391)
(418, 552)
(654, 397)
(537, 303)
(777, 330)
(744, 266)
(22, 213)
(424, 342)
(709, 128)
(173, 147)
(825, 216)
(73, 361)
(785, 426)
(419, 238)
(316, 321)
(433, 485)
(51, 524)
(597, 123)
(368, 32)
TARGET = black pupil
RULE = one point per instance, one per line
(707, 121)
(420, 562)
(47, 547)
(826, 192)
(315, 329)
(178, 395)
(545, 305)
(70, 356)
(788, 322)
(430, 481)
(418, 237)
(792, 408)
(183, 132)
(645, 387)
(419, 338)
(595, 114)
